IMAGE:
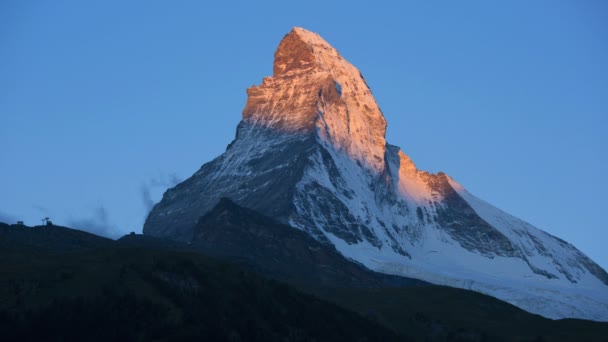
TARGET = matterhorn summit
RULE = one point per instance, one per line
(311, 152)
(314, 89)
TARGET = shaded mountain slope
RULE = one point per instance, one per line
(242, 235)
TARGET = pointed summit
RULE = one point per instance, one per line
(300, 50)
(315, 90)
(294, 53)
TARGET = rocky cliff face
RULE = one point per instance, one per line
(310, 152)
(322, 93)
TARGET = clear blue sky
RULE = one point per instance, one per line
(103, 104)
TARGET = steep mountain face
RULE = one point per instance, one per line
(322, 93)
(245, 236)
(310, 152)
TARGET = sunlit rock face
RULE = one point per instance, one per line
(311, 153)
(314, 89)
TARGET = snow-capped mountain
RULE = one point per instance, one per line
(311, 152)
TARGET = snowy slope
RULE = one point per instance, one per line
(310, 152)
(539, 273)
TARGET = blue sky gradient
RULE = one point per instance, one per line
(103, 105)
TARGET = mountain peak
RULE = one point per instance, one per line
(300, 50)
(311, 153)
(315, 90)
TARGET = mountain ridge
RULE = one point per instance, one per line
(311, 152)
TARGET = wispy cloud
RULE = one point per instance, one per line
(97, 223)
(166, 181)
(40, 209)
(146, 197)
(163, 181)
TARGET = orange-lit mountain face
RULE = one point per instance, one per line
(314, 89)
(311, 153)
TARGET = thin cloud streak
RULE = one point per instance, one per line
(163, 181)
(98, 223)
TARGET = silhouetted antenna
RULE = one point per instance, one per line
(47, 221)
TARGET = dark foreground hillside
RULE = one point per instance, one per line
(115, 294)
(62, 284)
